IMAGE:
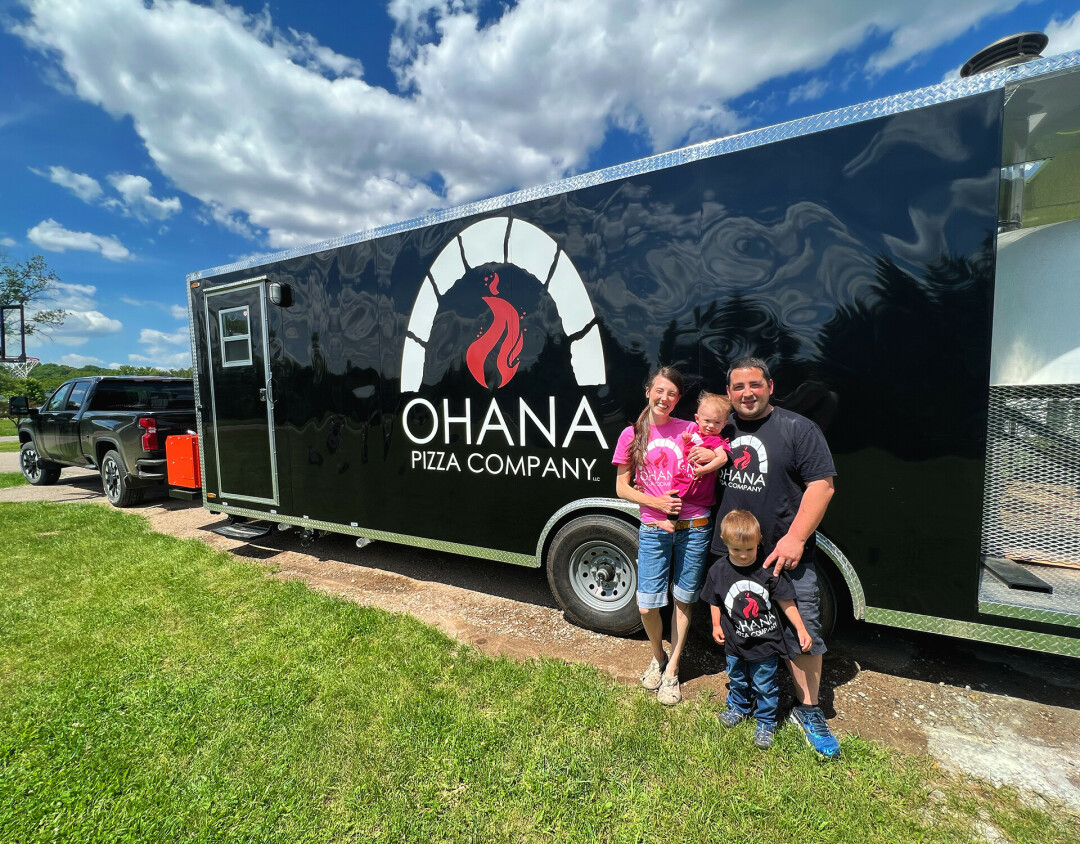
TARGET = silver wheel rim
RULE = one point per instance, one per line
(602, 577)
(112, 479)
(30, 465)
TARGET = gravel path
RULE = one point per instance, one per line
(1006, 716)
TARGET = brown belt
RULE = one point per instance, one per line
(683, 524)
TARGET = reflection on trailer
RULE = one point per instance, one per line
(906, 267)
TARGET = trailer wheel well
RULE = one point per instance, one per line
(576, 514)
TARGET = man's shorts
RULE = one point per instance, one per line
(676, 558)
(804, 577)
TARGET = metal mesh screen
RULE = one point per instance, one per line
(1032, 503)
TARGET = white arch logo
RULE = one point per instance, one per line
(508, 241)
(751, 442)
(746, 586)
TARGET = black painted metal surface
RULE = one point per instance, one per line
(858, 261)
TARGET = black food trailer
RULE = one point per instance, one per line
(908, 268)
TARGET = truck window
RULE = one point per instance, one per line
(78, 395)
(135, 395)
(57, 399)
(235, 337)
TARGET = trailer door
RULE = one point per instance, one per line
(241, 393)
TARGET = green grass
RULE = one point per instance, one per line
(7, 428)
(6, 448)
(154, 690)
(11, 479)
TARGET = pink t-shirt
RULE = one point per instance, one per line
(664, 455)
(700, 491)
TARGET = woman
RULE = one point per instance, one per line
(648, 455)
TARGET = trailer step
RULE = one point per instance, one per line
(1015, 576)
(185, 494)
(243, 531)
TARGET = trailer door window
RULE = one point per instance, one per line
(235, 337)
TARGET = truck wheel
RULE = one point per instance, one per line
(592, 572)
(116, 486)
(37, 471)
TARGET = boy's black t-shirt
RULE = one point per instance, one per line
(772, 460)
(754, 626)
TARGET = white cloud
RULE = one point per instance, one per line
(311, 150)
(7, 242)
(50, 235)
(811, 90)
(80, 326)
(81, 360)
(162, 349)
(83, 186)
(82, 319)
(175, 311)
(1064, 35)
(71, 297)
(139, 200)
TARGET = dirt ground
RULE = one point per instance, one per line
(1003, 715)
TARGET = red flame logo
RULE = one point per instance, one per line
(743, 460)
(505, 326)
(752, 608)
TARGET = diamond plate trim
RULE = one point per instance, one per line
(1062, 607)
(1043, 642)
(1062, 619)
(386, 536)
(952, 89)
(195, 384)
(855, 590)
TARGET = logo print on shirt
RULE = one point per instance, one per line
(738, 474)
(754, 622)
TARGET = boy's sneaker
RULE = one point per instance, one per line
(817, 732)
(669, 693)
(731, 717)
(763, 736)
(653, 675)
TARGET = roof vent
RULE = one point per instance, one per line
(1005, 52)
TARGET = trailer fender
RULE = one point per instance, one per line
(839, 563)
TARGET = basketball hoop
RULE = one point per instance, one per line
(21, 368)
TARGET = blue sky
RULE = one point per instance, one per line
(140, 141)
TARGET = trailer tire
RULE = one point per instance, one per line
(592, 572)
(37, 471)
(826, 600)
(114, 479)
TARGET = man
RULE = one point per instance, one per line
(781, 470)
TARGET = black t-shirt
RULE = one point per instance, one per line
(752, 621)
(772, 461)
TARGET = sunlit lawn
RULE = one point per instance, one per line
(154, 690)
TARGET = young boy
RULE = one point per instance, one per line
(696, 483)
(746, 601)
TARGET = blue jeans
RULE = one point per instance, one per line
(677, 558)
(754, 683)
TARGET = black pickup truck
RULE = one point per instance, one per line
(115, 424)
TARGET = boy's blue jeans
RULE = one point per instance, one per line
(756, 686)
